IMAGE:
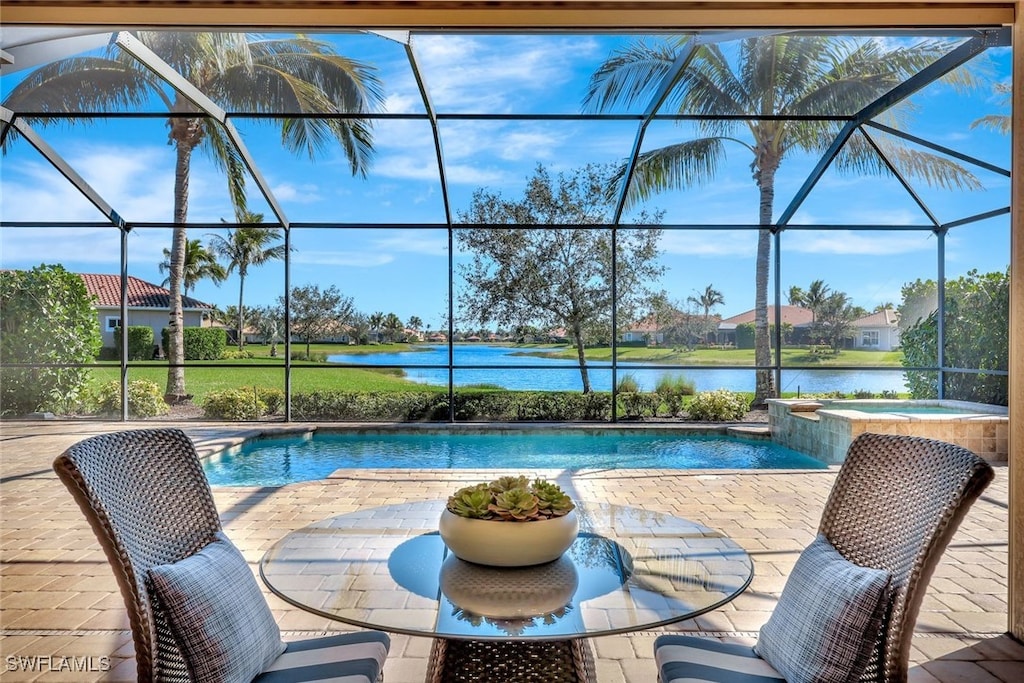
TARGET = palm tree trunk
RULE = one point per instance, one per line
(577, 337)
(175, 392)
(764, 384)
(241, 317)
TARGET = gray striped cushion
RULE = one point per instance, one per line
(346, 658)
(827, 621)
(689, 659)
(217, 613)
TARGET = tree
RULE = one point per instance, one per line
(268, 321)
(976, 331)
(246, 71)
(528, 273)
(415, 323)
(245, 247)
(49, 325)
(998, 122)
(779, 75)
(796, 296)
(376, 321)
(815, 297)
(316, 313)
(835, 320)
(707, 300)
(393, 327)
(200, 264)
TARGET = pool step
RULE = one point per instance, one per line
(748, 432)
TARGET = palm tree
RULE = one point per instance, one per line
(998, 122)
(816, 296)
(244, 71)
(393, 326)
(415, 323)
(376, 323)
(782, 75)
(796, 296)
(245, 247)
(707, 300)
(200, 264)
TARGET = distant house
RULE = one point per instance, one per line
(148, 304)
(798, 317)
(680, 325)
(878, 331)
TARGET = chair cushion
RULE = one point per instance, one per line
(689, 658)
(827, 621)
(218, 615)
(348, 657)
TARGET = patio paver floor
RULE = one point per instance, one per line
(60, 610)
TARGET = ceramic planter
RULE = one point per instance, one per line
(508, 544)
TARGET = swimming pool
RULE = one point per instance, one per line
(278, 461)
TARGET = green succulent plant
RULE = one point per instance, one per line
(472, 502)
(516, 505)
(511, 499)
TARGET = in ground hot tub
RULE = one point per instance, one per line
(824, 428)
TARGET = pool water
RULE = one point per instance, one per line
(279, 461)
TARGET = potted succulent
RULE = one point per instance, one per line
(509, 522)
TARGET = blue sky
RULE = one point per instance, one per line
(404, 271)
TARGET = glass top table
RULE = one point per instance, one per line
(387, 568)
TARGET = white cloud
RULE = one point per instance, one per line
(858, 243)
(360, 259)
(708, 243)
(432, 243)
(306, 193)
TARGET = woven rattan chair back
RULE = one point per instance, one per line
(147, 499)
(895, 504)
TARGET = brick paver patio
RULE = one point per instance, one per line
(60, 609)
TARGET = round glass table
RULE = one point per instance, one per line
(386, 568)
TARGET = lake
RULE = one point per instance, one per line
(559, 374)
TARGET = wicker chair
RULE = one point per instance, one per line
(149, 503)
(895, 505)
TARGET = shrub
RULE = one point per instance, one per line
(49, 325)
(235, 354)
(863, 393)
(145, 399)
(627, 384)
(671, 389)
(201, 343)
(718, 406)
(355, 405)
(299, 354)
(140, 342)
(637, 404)
(243, 403)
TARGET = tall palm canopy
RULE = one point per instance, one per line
(780, 75)
(263, 75)
(200, 264)
(245, 247)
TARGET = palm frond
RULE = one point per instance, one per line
(694, 162)
(225, 156)
(629, 76)
(859, 157)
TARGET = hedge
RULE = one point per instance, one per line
(201, 343)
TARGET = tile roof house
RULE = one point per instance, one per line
(878, 331)
(797, 316)
(148, 304)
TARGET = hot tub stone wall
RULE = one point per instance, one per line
(827, 432)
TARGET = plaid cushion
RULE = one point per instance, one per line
(217, 613)
(828, 617)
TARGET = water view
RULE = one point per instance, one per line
(559, 374)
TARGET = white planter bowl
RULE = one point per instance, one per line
(508, 544)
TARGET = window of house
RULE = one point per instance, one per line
(111, 323)
(869, 338)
